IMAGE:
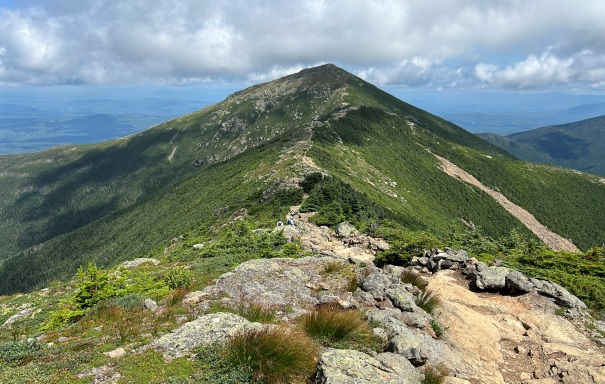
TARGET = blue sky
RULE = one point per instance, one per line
(462, 45)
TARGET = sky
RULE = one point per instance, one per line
(494, 45)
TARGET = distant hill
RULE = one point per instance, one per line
(129, 197)
(578, 145)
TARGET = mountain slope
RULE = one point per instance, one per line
(125, 198)
(578, 145)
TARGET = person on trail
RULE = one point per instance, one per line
(290, 221)
(279, 223)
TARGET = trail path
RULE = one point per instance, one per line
(551, 239)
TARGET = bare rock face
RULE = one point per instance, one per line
(278, 282)
(205, 330)
(520, 339)
(338, 366)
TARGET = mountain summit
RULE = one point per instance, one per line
(130, 197)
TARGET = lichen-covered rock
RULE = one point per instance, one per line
(338, 366)
(21, 314)
(410, 345)
(400, 365)
(492, 278)
(376, 283)
(516, 282)
(558, 293)
(402, 299)
(388, 319)
(275, 282)
(346, 229)
(205, 330)
(139, 261)
(150, 305)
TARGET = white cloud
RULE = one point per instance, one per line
(431, 43)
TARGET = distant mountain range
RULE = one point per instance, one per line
(388, 161)
(579, 145)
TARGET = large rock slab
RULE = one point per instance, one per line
(205, 330)
(338, 366)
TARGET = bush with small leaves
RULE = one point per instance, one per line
(178, 278)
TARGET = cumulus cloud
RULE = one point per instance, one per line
(431, 43)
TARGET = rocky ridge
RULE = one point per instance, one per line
(498, 325)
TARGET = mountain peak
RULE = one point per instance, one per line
(325, 73)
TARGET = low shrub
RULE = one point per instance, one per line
(178, 278)
(273, 354)
(14, 353)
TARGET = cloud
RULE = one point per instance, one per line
(432, 43)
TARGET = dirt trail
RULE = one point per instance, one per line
(551, 239)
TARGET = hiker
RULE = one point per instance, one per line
(279, 223)
(290, 221)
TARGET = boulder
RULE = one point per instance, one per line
(205, 330)
(492, 278)
(150, 305)
(388, 320)
(21, 314)
(344, 366)
(277, 282)
(558, 293)
(346, 229)
(516, 282)
(376, 283)
(411, 346)
(400, 365)
(402, 299)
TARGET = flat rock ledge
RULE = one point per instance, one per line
(205, 330)
(342, 366)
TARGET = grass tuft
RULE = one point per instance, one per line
(434, 375)
(428, 301)
(273, 354)
(332, 325)
(409, 276)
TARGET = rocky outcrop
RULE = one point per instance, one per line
(495, 278)
(353, 367)
(139, 261)
(205, 330)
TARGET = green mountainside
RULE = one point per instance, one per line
(127, 198)
(577, 145)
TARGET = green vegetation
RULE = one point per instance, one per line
(254, 312)
(336, 327)
(273, 355)
(409, 276)
(577, 145)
